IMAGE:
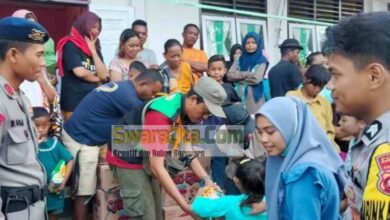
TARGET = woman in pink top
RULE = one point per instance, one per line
(129, 46)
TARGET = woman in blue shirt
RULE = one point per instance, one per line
(250, 205)
(304, 174)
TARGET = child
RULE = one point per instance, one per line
(250, 204)
(351, 126)
(315, 79)
(217, 70)
(136, 67)
(319, 58)
(51, 152)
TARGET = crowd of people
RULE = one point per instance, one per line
(316, 136)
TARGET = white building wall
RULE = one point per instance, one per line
(110, 2)
(277, 29)
(375, 5)
(140, 8)
(165, 20)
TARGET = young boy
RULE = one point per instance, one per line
(360, 67)
(315, 79)
(217, 70)
(51, 152)
(350, 126)
(135, 69)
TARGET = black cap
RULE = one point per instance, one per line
(40, 112)
(291, 43)
(22, 30)
(236, 114)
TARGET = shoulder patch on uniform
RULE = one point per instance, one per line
(373, 130)
(8, 88)
(383, 162)
(2, 118)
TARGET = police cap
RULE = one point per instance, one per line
(22, 30)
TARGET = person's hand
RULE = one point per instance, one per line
(53, 80)
(197, 73)
(187, 209)
(60, 188)
(343, 205)
(41, 138)
(91, 41)
(258, 208)
(41, 78)
(154, 66)
(210, 183)
(202, 190)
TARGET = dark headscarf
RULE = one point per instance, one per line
(233, 50)
(84, 24)
(249, 60)
(86, 21)
(81, 29)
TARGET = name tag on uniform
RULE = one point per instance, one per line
(17, 123)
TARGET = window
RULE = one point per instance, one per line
(245, 5)
(324, 10)
(220, 29)
(76, 2)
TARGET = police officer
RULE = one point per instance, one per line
(360, 85)
(22, 178)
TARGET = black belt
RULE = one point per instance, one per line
(19, 198)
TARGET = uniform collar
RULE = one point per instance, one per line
(6, 86)
(376, 129)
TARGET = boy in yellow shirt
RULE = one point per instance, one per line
(315, 79)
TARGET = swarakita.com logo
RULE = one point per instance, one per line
(138, 140)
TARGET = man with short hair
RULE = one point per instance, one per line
(137, 175)
(360, 84)
(22, 180)
(147, 56)
(195, 57)
(90, 126)
(286, 75)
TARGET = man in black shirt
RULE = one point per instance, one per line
(285, 75)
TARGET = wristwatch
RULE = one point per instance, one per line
(204, 179)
